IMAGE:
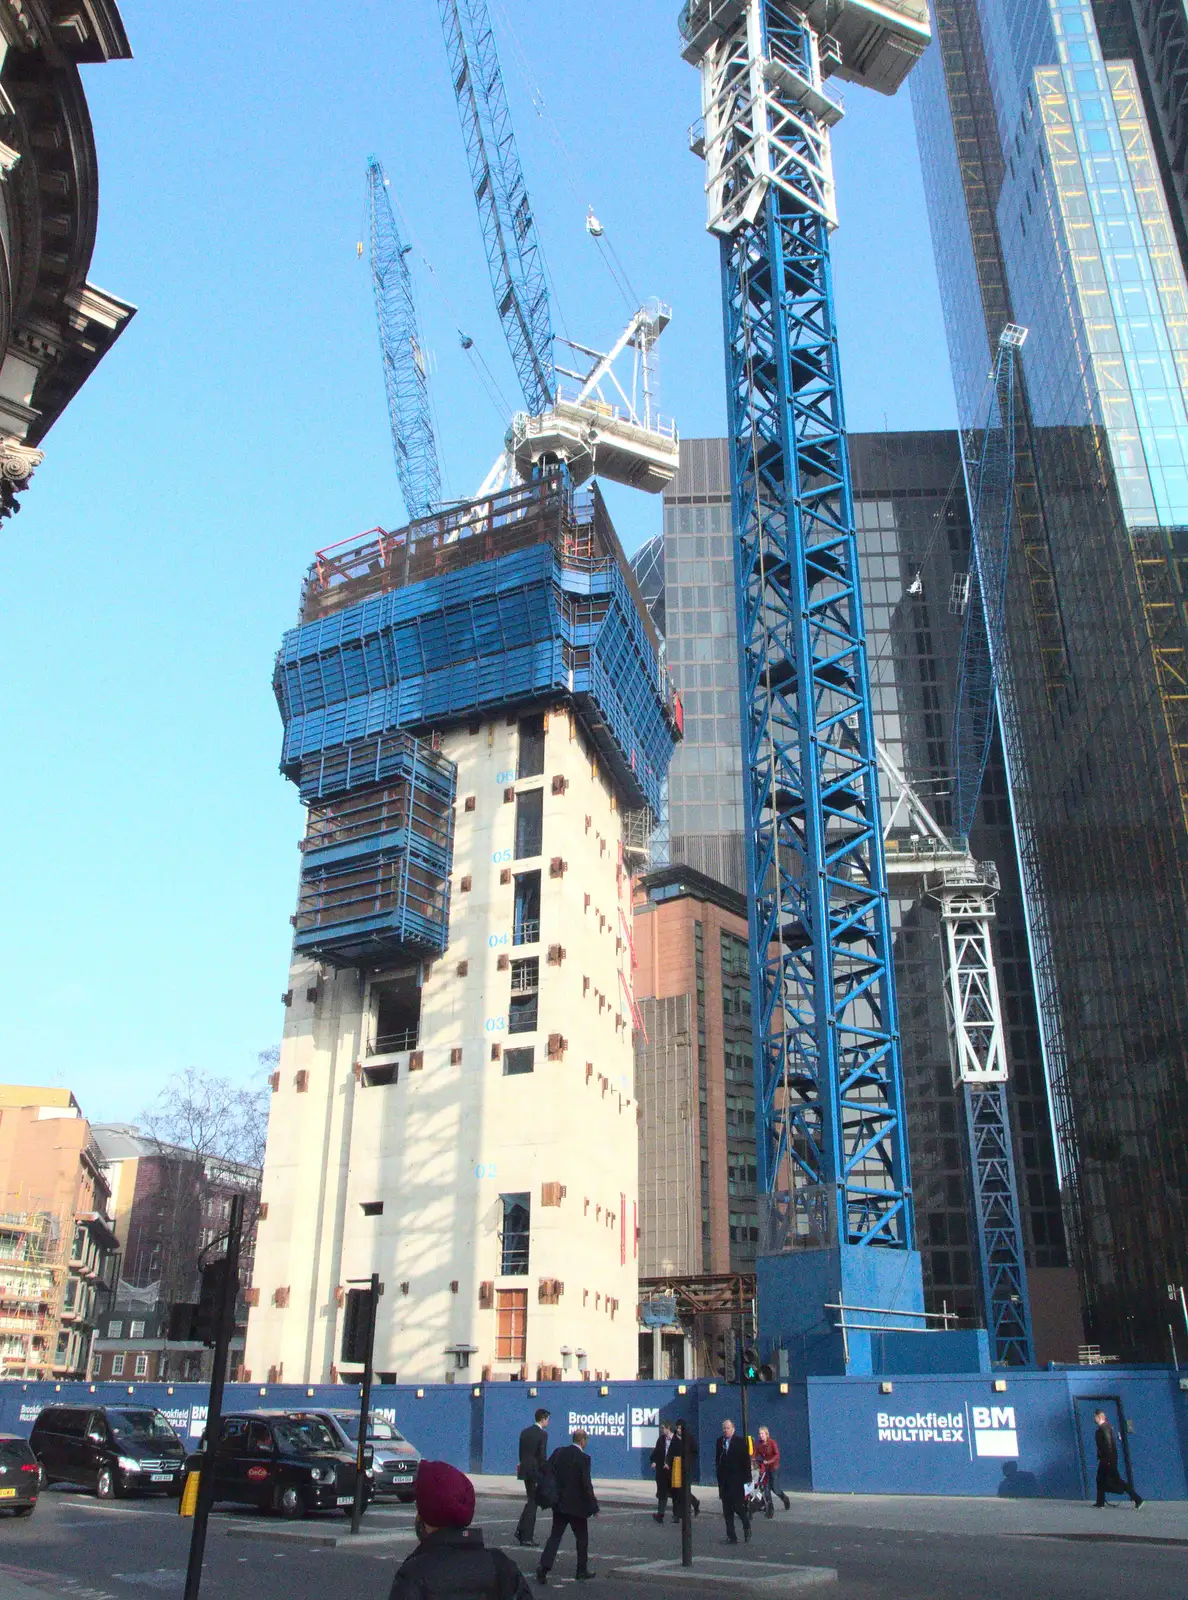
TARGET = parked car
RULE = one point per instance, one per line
(113, 1450)
(289, 1462)
(394, 1460)
(20, 1476)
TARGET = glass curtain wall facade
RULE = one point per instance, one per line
(913, 537)
(1048, 208)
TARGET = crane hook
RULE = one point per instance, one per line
(593, 227)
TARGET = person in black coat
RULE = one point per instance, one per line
(1109, 1479)
(675, 1447)
(451, 1560)
(533, 1450)
(733, 1464)
(659, 1461)
(575, 1505)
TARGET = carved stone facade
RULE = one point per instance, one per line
(55, 327)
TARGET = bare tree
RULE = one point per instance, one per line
(210, 1117)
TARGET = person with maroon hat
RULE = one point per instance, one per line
(451, 1562)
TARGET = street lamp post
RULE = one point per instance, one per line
(224, 1330)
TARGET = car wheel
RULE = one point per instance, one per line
(106, 1487)
(405, 1496)
(289, 1503)
(24, 1511)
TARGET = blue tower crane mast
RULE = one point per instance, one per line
(967, 908)
(514, 257)
(406, 379)
(832, 1157)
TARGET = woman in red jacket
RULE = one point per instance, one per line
(767, 1454)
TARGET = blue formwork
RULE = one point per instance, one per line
(377, 854)
(531, 625)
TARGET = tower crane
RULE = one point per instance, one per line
(588, 429)
(831, 1139)
(406, 378)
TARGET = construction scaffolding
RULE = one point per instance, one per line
(32, 1269)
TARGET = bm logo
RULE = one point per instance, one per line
(994, 1431)
(645, 1426)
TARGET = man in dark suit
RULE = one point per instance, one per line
(533, 1449)
(576, 1504)
(659, 1461)
(1109, 1479)
(733, 1465)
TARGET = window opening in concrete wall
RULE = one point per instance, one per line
(527, 912)
(522, 1007)
(517, 1061)
(513, 1236)
(380, 1077)
(511, 1325)
(395, 1014)
(529, 823)
(532, 747)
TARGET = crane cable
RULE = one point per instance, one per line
(617, 271)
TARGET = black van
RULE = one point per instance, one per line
(291, 1463)
(112, 1449)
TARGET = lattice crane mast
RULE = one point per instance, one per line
(831, 1139)
(406, 378)
(965, 890)
(589, 430)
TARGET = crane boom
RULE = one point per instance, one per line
(514, 257)
(406, 378)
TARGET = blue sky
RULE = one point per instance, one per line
(240, 424)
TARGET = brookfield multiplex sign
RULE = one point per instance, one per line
(983, 1430)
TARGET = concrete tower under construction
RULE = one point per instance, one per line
(479, 723)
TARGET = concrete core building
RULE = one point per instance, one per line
(454, 1107)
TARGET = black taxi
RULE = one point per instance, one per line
(290, 1463)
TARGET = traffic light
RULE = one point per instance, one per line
(356, 1316)
(720, 1355)
(210, 1301)
(756, 1371)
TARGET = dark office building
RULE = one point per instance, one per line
(913, 534)
(1045, 179)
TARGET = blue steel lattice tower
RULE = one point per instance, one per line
(832, 1165)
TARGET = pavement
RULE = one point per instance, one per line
(840, 1547)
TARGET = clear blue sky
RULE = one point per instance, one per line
(151, 856)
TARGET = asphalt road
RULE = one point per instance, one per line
(75, 1548)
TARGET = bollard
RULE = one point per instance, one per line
(188, 1503)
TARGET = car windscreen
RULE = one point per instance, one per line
(13, 1451)
(378, 1432)
(306, 1438)
(141, 1427)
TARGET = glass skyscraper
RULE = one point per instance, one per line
(1048, 199)
(913, 538)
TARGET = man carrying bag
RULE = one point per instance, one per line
(533, 1450)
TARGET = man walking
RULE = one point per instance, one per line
(733, 1464)
(1109, 1480)
(451, 1559)
(767, 1453)
(659, 1460)
(533, 1449)
(576, 1504)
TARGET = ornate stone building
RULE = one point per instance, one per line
(55, 327)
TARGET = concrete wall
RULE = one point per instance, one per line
(439, 1146)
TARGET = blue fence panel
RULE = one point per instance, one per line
(622, 1425)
